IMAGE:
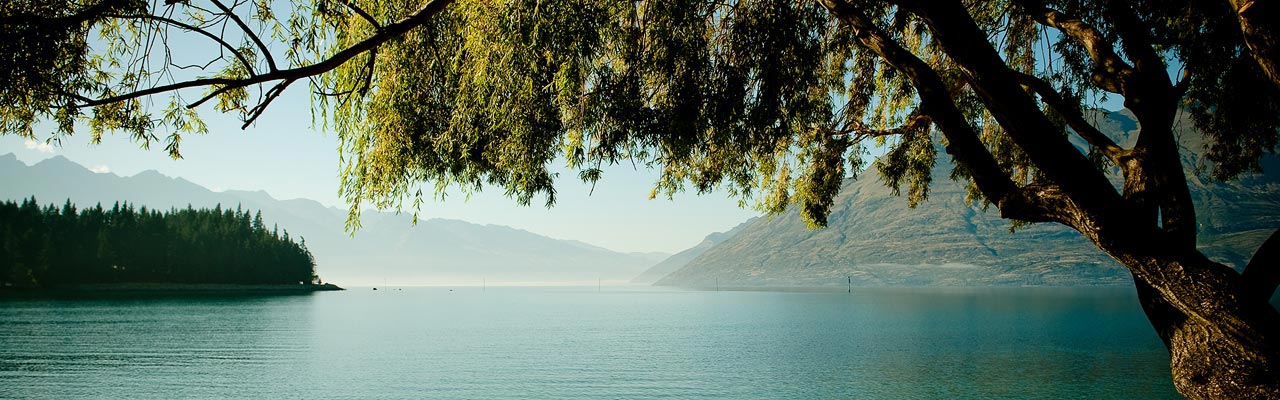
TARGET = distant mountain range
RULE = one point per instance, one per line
(679, 260)
(388, 246)
(874, 239)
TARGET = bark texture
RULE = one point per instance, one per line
(1222, 345)
(1258, 24)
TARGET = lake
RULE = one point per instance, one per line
(580, 343)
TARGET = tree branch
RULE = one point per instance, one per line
(359, 11)
(1135, 39)
(859, 132)
(1261, 36)
(963, 143)
(248, 66)
(266, 53)
(1041, 203)
(1111, 71)
(391, 31)
(1153, 99)
(261, 107)
(1016, 111)
(1075, 119)
(1262, 275)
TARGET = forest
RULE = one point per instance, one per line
(45, 247)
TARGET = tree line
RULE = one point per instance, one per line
(50, 246)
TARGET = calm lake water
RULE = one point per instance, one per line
(577, 343)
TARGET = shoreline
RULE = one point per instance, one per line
(176, 288)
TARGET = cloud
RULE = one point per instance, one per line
(100, 169)
(38, 146)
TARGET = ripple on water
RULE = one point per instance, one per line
(557, 343)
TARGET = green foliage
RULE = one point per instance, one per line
(770, 100)
(51, 246)
(712, 95)
(47, 61)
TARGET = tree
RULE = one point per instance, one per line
(50, 247)
(772, 100)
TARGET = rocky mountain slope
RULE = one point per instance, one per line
(679, 260)
(875, 239)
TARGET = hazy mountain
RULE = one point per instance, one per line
(875, 239)
(679, 260)
(388, 246)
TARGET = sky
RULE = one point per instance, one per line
(285, 154)
(287, 157)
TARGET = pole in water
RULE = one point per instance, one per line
(850, 277)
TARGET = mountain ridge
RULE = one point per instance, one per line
(874, 239)
(676, 261)
(388, 246)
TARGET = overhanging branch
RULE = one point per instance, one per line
(1022, 118)
(1111, 70)
(1040, 203)
(1074, 118)
(963, 142)
(359, 11)
(266, 52)
(856, 132)
(387, 33)
(190, 28)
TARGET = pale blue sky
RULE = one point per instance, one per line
(284, 156)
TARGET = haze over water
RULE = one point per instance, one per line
(557, 343)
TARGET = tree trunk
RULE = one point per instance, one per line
(1222, 344)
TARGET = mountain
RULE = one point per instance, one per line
(679, 260)
(874, 239)
(387, 247)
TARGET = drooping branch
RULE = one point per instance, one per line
(963, 142)
(856, 132)
(1016, 111)
(1111, 71)
(271, 95)
(1262, 275)
(1074, 118)
(187, 27)
(387, 33)
(360, 11)
(266, 52)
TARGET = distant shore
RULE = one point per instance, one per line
(181, 287)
